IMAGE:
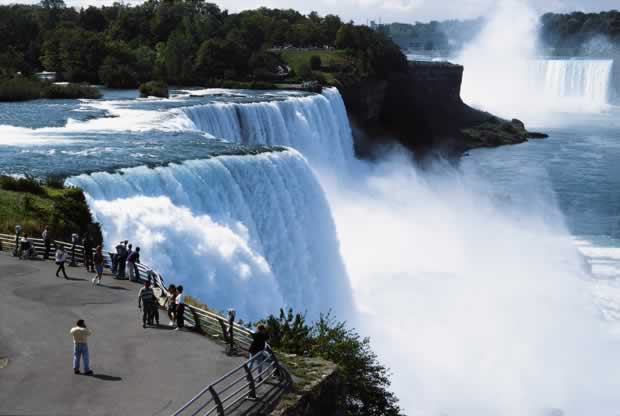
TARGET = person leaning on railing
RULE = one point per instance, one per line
(259, 342)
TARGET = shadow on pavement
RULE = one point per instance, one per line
(77, 279)
(113, 287)
(105, 377)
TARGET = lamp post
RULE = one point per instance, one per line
(74, 241)
(18, 230)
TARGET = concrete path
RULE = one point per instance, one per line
(137, 371)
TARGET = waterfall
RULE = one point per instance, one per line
(316, 125)
(252, 232)
(586, 81)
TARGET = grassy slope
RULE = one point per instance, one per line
(295, 59)
(64, 210)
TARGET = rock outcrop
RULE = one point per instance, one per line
(423, 110)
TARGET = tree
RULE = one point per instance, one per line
(366, 379)
(315, 62)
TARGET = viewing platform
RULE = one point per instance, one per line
(151, 371)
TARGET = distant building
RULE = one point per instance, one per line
(46, 76)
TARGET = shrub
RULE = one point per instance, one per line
(69, 91)
(366, 380)
(26, 184)
(315, 62)
(154, 89)
(56, 182)
(304, 72)
(19, 89)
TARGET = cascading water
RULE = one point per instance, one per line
(584, 80)
(316, 125)
(252, 232)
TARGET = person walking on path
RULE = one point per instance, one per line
(88, 253)
(80, 334)
(61, 258)
(259, 342)
(170, 303)
(99, 261)
(132, 260)
(146, 302)
(47, 241)
(180, 312)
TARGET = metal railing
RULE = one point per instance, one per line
(237, 385)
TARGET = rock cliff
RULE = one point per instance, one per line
(423, 110)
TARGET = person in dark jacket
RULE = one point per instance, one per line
(88, 253)
(132, 259)
(146, 303)
(259, 342)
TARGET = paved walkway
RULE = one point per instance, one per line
(137, 371)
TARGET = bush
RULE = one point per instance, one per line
(19, 89)
(56, 182)
(70, 91)
(26, 184)
(154, 89)
(366, 380)
(315, 62)
(304, 72)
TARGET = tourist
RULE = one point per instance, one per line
(80, 334)
(47, 241)
(170, 303)
(26, 247)
(180, 312)
(99, 261)
(88, 253)
(122, 258)
(259, 342)
(61, 258)
(115, 257)
(132, 259)
(146, 302)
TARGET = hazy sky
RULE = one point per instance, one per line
(388, 10)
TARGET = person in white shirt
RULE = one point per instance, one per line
(180, 301)
(61, 258)
(80, 336)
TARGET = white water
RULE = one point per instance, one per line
(316, 125)
(504, 74)
(250, 232)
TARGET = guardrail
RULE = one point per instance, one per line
(237, 385)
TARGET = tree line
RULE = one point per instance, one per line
(581, 33)
(177, 41)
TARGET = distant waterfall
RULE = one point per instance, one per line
(251, 232)
(316, 125)
(586, 81)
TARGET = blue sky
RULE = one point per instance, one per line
(407, 11)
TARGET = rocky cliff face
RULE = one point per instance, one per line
(422, 109)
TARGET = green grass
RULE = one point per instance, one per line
(329, 58)
(33, 205)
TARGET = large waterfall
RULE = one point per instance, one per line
(583, 80)
(252, 232)
(316, 125)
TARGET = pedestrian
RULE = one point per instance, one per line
(146, 301)
(47, 241)
(170, 303)
(98, 261)
(259, 342)
(122, 258)
(80, 334)
(180, 312)
(132, 259)
(87, 242)
(117, 249)
(61, 258)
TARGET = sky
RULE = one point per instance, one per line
(406, 11)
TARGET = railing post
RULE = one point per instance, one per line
(218, 402)
(250, 378)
